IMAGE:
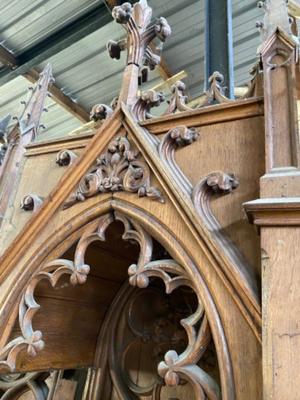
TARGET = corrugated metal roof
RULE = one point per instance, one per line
(85, 71)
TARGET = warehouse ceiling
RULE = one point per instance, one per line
(71, 35)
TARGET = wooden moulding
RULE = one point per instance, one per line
(274, 211)
(219, 113)
(55, 145)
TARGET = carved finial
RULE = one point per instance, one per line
(146, 101)
(136, 19)
(31, 202)
(178, 98)
(215, 93)
(65, 158)
(100, 112)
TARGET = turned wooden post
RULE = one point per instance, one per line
(277, 212)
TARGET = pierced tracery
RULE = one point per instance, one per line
(174, 367)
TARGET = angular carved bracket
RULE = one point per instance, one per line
(177, 137)
(118, 169)
(31, 202)
(65, 158)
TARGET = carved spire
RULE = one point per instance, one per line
(276, 16)
(29, 121)
(136, 19)
(279, 53)
(24, 132)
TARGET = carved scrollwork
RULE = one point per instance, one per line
(177, 137)
(215, 183)
(32, 340)
(31, 202)
(184, 365)
(136, 20)
(178, 100)
(118, 169)
(146, 101)
(14, 385)
(175, 276)
(65, 157)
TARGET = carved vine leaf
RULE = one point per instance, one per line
(136, 20)
(118, 169)
(31, 202)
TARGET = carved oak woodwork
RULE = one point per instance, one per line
(117, 169)
(173, 276)
(187, 237)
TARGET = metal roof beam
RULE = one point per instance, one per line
(58, 41)
(219, 42)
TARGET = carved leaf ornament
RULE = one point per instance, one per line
(118, 169)
(174, 366)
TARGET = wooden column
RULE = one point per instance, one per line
(277, 212)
